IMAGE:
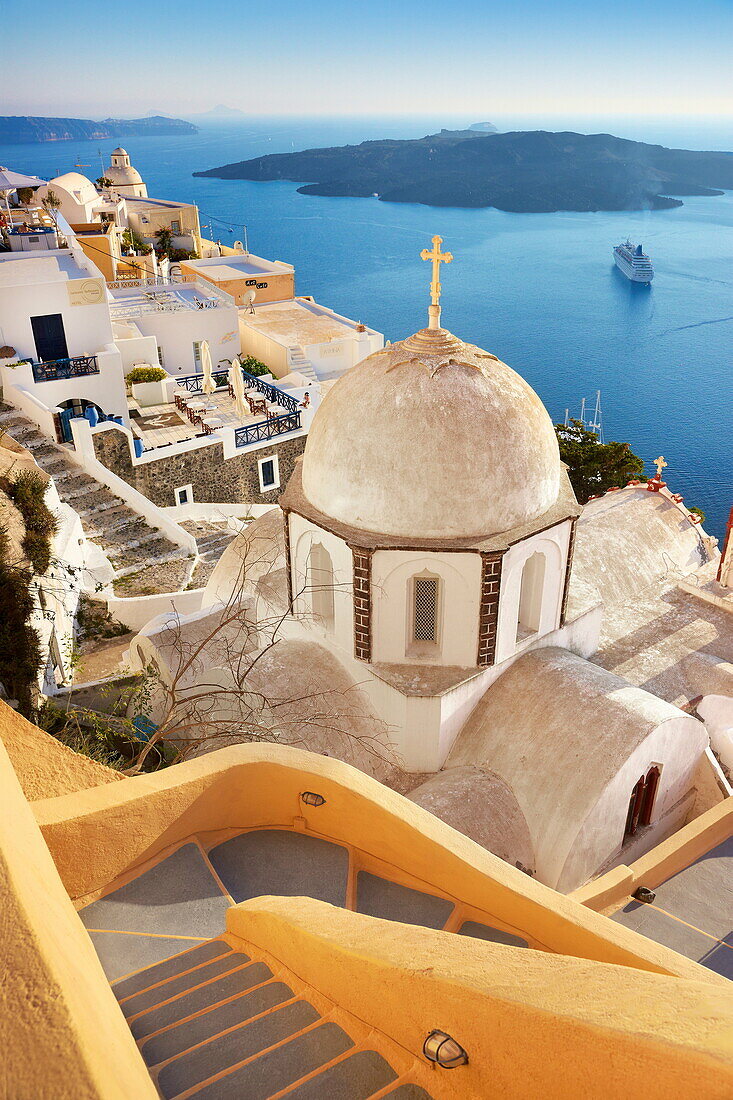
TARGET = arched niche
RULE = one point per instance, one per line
(320, 585)
(531, 595)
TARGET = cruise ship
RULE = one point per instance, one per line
(633, 262)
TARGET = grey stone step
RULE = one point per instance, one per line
(156, 549)
(129, 538)
(115, 519)
(224, 1051)
(199, 1000)
(125, 570)
(272, 861)
(170, 968)
(99, 501)
(77, 487)
(276, 1069)
(354, 1078)
(189, 1033)
(380, 897)
(408, 1091)
(182, 983)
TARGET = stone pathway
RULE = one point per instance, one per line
(144, 560)
(212, 538)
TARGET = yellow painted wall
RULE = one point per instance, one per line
(611, 890)
(100, 250)
(280, 287)
(97, 835)
(534, 1025)
(63, 1035)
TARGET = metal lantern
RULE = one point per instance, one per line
(644, 894)
(310, 798)
(444, 1051)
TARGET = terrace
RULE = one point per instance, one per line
(135, 297)
(192, 414)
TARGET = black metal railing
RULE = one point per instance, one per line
(272, 393)
(55, 369)
(266, 429)
(194, 382)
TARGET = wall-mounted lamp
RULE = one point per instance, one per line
(312, 799)
(444, 1051)
(644, 894)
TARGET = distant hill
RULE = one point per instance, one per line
(222, 112)
(24, 129)
(523, 171)
(484, 127)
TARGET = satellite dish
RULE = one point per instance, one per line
(248, 299)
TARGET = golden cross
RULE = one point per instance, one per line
(660, 464)
(437, 257)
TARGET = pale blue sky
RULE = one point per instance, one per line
(372, 57)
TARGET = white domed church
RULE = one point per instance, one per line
(124, 177)
(425, 549)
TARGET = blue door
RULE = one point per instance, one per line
(65, 416)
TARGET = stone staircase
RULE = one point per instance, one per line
(135, 549)
(299, 362)
(217, 1018)
(215, 1023)
(212, 538)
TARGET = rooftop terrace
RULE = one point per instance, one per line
(226, 268)
(303, 322)
(130, 298)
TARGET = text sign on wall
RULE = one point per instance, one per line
(86, 292)
(332, 349)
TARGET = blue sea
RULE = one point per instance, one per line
(538, 290)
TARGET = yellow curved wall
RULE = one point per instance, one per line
(98, 835)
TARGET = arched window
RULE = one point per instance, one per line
(641, 803)
(530, 596)
(632, 816)
(424, 619)
(650, 792)
(320, 584)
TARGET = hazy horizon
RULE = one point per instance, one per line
(340, 58)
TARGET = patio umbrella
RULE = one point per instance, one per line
(208, 385)
(11, 181)
(236, 381)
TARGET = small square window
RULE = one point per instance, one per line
(269, 471)
(184, 494)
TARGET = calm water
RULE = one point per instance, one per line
(538, 290)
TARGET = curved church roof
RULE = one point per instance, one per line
(559, 730)
(432, 438)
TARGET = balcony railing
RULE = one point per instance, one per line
(194, 382)
(266, 429)
(272, 393)
(54, 370)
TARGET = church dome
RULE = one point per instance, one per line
(123, 174)
(432, 438)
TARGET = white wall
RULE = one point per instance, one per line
(106, 389)
(61, 587)
(303, 535)
(176, 333)
(460, 590)
(677, 745)
(336, 356)
(553, 543)
(137, 611)
(88, 328)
